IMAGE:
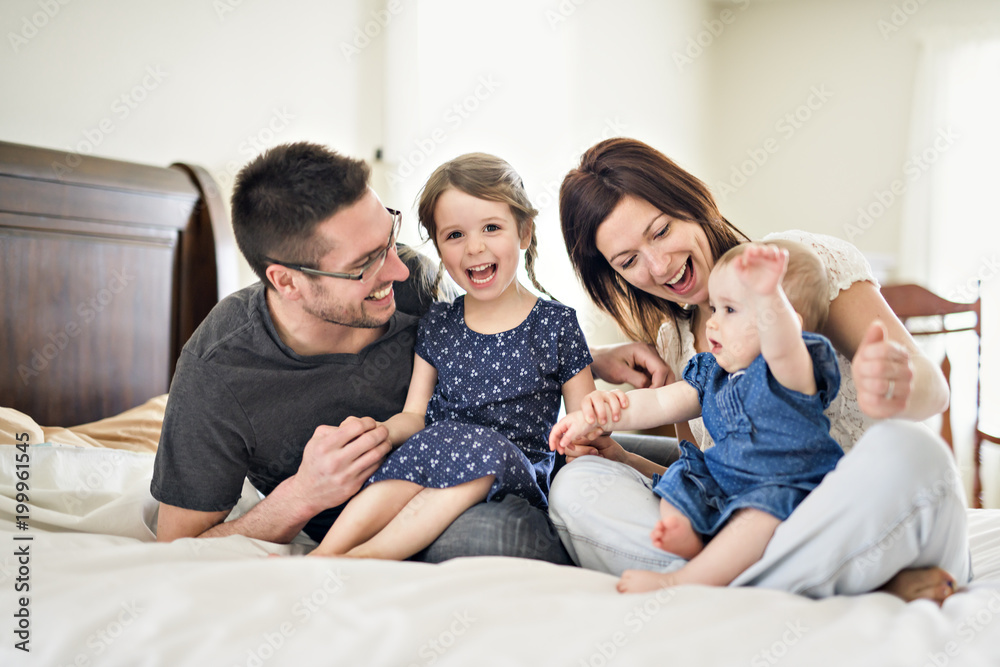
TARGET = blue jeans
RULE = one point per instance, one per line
(893, 502)
(512, 527)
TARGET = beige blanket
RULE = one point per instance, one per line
(135, 430)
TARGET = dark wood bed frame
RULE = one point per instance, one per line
(106, 268)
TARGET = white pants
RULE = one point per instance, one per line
(894, 502)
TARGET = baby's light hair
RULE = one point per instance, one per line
(805, 282)
(488, 177)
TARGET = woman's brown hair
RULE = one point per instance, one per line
(609, 171)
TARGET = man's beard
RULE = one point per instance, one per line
(354, 316)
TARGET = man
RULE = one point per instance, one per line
(284, 380)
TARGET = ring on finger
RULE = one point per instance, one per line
(890, 391)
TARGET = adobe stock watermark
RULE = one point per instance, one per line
(100, 641)
(899, 16)
(370, 31)
(971, 289)
(589, 491)
(225, 7)
(94, 481)
(87, 312)
(121, 108)
(398, 350)
(966, 630)
(453, 118)
(786, 127)
(779, 648)
(592, 321)
(562, 11)
(944, 486)
(914, 167)
(712, 30)
(256, 143)
(435, 647)
(272, 641)
(548, 194)
(605, 651)
(31, 25)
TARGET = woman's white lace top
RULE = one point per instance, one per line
(845, 265)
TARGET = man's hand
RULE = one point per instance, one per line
(637, 364)
(337, 460)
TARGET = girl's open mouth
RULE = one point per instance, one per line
(482, 274)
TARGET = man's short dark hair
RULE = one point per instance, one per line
(284, 193)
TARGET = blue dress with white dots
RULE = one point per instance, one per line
(497, 397)
(772, 444)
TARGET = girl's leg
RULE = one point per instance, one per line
(366, 514)
(893, 503)
(423, 519)
(738, 545)
(603, 512)
(673, 533)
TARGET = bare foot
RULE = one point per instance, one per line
(323, 554)
(674, 535)
(642, 581)
(929, 583)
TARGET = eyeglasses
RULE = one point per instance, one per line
(366, 272)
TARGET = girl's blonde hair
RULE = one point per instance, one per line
(488, 177)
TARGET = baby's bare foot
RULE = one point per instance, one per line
(674, 535)
(929, 583)
(642, 581)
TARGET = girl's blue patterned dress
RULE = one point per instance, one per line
(496, 399)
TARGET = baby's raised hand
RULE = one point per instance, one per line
(761, 267)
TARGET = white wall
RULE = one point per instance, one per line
(844, 153)
(203, 82)
(536, 83)
(235, 76)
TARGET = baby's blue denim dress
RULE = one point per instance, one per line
(772, 444)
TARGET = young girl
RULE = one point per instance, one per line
(761, 391)
(488, 374)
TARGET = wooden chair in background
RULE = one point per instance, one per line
(912, 303)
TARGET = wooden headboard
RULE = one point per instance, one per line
(106, 268)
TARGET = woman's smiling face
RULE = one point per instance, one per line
(664, 256)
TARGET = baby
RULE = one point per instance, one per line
(761, 392)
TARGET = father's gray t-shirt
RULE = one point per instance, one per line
(242, 404)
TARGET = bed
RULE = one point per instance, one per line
(107, 267)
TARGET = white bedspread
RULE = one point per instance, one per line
(102, 593)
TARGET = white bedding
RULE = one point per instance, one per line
(102, 593)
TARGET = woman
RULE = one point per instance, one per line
(643, 235)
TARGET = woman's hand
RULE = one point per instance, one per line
(637, 364)
(883, 374)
